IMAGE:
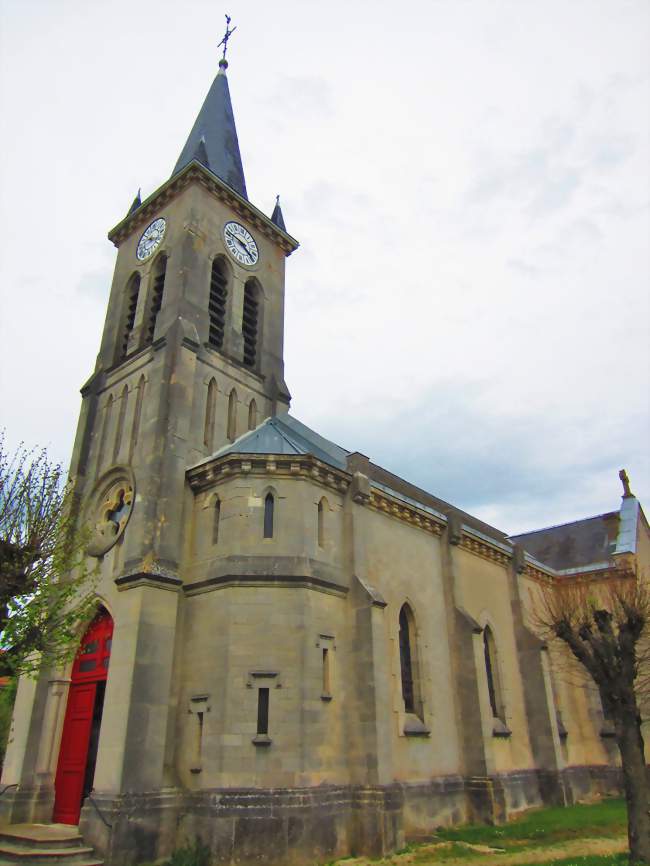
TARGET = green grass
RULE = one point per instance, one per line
(590, 860)
(545, 826)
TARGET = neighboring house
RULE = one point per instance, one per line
(295, 650)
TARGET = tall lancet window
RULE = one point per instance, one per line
(231, 431)
(268, 515)
(130, 307)
(250, 322)
(208, 427)
(252, 415)
(156, 298)
(217, 303)
(492, 673)
(406, 657)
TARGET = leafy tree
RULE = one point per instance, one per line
(44, 577)
(7, 696)
(606, 626)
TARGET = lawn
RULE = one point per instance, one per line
(581, 835)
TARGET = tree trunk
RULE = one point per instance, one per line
(630, 744)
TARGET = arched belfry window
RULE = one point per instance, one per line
(217, 303)
(232, 416)
(492, 673)
(130, 307)
(156, 298)
(208, 429)
(252, 415)
(250, 322)
(407, 659)
(269, 507)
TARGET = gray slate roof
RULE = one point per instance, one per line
(213, 139)
(284, 434)
(572, 545)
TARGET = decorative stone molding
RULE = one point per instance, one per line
(381, 501)
(195, 172)
(278, 465)
(484, 550)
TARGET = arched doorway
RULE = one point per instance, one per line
(78, 753)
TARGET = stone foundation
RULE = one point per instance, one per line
(298, 826)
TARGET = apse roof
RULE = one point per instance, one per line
(284, 434)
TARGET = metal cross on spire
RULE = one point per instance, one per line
(225, 39)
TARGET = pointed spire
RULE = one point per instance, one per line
(276, 216)
(137, 201)
(213, 139)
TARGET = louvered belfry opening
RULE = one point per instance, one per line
(249, 323)
(133, 290)
(217, 303)
(156, 297)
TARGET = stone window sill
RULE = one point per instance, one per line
(500, 729)
(415, 727)
(262, 740)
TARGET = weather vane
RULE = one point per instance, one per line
(225, 39)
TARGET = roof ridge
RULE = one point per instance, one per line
(567, 523)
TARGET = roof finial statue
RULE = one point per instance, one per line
(627, 493)
(223, 63)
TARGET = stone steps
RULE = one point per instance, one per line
(44, 845)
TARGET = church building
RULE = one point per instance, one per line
(297, 655)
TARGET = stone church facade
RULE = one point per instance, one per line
(297, 654)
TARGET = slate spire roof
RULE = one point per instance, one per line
(276, 216)
(213, 139)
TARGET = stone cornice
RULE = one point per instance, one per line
(384, 502)
(482, 548)
(197, 173)
(274, 465)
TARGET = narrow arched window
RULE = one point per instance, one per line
(108, 410)
(156, 298)
(250, 323)
(216, 517)
(128, 316)
(492, 672)
(208, 428)
(406, 645)
(217, 303)
(321, 522)
(135, 430)
(268, 515)
(232, 416)
(120, 423)
(252, 415)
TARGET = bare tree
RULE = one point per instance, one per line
(44, 579)
(606, 626)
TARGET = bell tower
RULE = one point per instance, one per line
(191, 355)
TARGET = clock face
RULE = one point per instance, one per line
(240, 244)
(151, 239)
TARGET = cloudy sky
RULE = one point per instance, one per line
(468, 180)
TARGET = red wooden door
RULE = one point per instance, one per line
(82, 718)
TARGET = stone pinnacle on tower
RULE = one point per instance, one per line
(213, 139)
